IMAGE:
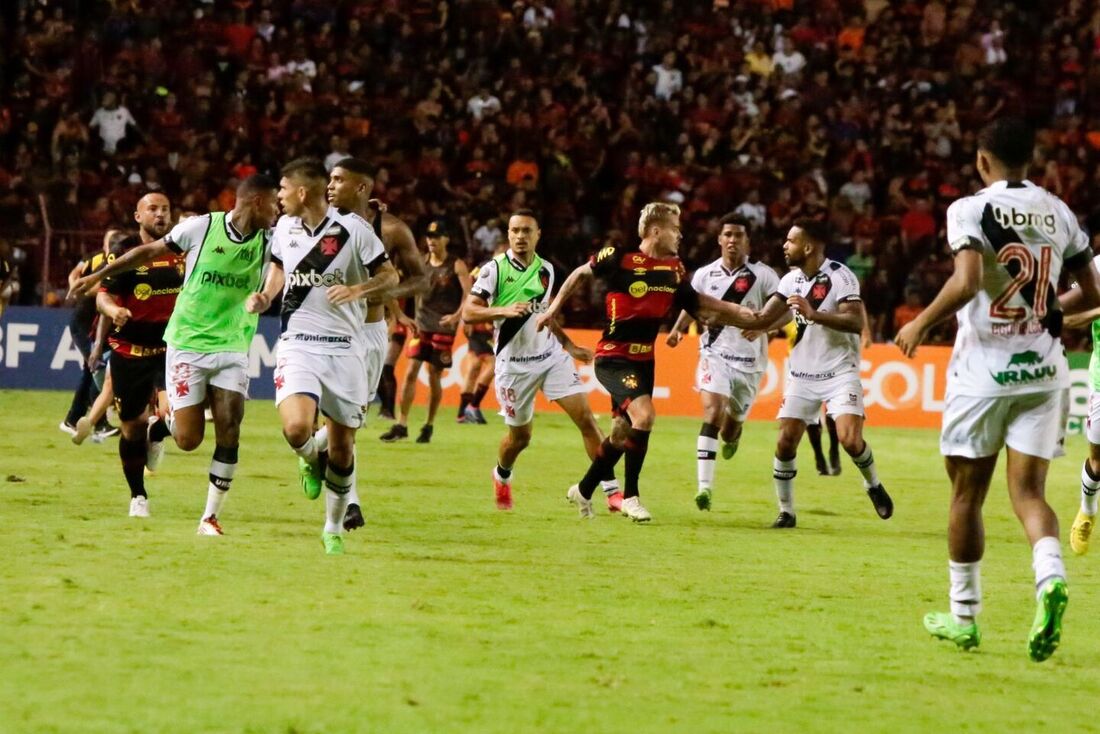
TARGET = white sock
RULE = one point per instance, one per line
(214, 499)
(353, 493)
(706, 455)
(321, 437)
(308, 450)
(966, 590)
(1047, 560)
(337, 491)
(221, 476)
(503, 480)
(783, 472)
(865, 462)
(1089, 489)
(611, 486)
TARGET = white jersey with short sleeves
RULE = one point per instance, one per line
(1008, 340)
(517, 340)
(342, 250)
(820, 353)
(750, 285)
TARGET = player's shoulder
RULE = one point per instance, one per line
(838, 270)
(606, 254)
(791, 277)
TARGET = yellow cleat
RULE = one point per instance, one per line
(1080, 532)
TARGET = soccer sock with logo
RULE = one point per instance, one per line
(1090, 485)
(706, 454)
(466, 397)
(865, 462)
(132, 454)
(637, 444)
(783, 472)
(338, 484)
(607, 456)
(479, 393)
(1047, 561)
(222, 468)
(610, 486)
(966, 590)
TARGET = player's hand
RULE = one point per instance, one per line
(752, 335)
(909, 337)
(673, 337)
(515, 309)
(409, 324)
(450, 319)
(378, 205)
(85, 286)
(338, 295)
(121, 316)
(584, 355)
(468, 330)
(543, 319)
(802, 307)
(94, 358)
(257, 303)
(866, 339)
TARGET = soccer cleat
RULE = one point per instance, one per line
(834, 462)
(385, 414)
(139, 506)
(103, 431)
(632, 508)
(730, 448)
(583, 506)
(615, 502)
(396, 433)
(942, 625)
(1080, 533)
(884, 506)
(822, 467)
(425, 434)
(702, 499)
(81, 430)
(785, 520)
(210, 526)
(461, 419)
(1046, 630)
(69, 428)
(154, 450)
(334, 544)
(473, 415)
(353, 519)
(503, 492)
(309, 476)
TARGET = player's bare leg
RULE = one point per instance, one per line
(298, 414)
(400, 429)
(95, 422)
(435, 397)
(849, 429)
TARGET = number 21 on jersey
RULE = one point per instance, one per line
(1029, 270)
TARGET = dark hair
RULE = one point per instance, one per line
(1010, 140)
(525, 213)
(358, 166)
(735, 219)
(815, 229)
(257, 183)
(310, 169)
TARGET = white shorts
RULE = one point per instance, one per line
(377, 336)
(718, 376)
(976, 427)
(335, 381)
(802, 399)
(188, 373)
(517, 384)
(1092, 424)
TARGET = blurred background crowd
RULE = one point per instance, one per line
(861, 112)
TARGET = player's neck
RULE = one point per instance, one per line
(314, 213)
(524, 259)
(435, 259)
(241, 220)
(731, 264)
(651, 246)
(812, 264)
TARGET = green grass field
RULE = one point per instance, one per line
(448, 616)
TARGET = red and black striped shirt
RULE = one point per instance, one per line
(150, 294)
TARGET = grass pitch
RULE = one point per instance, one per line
(448, 616)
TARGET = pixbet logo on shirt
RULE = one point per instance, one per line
(314, 279)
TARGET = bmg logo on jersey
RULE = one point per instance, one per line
(312, 278)
(1013, 218)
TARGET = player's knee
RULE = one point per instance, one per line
(786, 447)
(852, 442)
(340, 455)
(186, 441)
(297, 432)
(520, 439)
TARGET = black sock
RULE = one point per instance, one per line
(833, 440)
(479, 393)
(132, 454)
(387, 388)
(708, 430)
(466, 398)
(502, 472)
(637, 444)
(159, 430)
(814, 433)
(223, 467)
(607, 456)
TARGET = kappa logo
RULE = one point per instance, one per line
(294, 245)
(219, 250)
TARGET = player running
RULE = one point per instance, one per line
(731, 362)
(510, 289)
(1008, 376)
(321, 260)
(479, 376)
(644, 286)
(1081, 531)
(210, 332)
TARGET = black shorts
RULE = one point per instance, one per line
(399, 334)
(136, 381)
(481, 343)
(431, 347)
(626, 380)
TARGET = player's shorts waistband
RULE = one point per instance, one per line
(317, 339)
(532, 358)
(737, 359)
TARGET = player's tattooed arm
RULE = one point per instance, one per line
(404, 251)
(732, 314)
(962, 286)
(584, 355)
(131, 260)
(568, 288)
(260, 302)
(383, 278)
(477, 310)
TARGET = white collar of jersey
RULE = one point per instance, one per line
(516, 263)
(1005, 183)
(231, 229)
(824, 264)
(320, 227)
(731, 271)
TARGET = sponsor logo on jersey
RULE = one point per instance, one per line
(311, 278)
(1023, 360)
(630, 382)
(1014, 218)
(224, 280)
(638, 288)
(605, 253)
(142, 291)
(219, 250)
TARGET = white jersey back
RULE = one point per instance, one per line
(1008, 340)
(821, 353)
(343, 250)
(750, 285)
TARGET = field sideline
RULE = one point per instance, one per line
(448, 616)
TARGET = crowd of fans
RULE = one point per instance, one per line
(861, 112)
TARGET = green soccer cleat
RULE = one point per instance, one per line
(334, 544)
(1046, 631)
(310, 477)
(730, 448)
(702, 499)
(944, 626)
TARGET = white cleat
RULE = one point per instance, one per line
(210, 526)
(84, 429)
(154, 450)
(583, 506)
(632, 508)
(139, 507)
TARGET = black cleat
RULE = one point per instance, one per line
(396, 433)
(785, 520)
(385, 414)
(834, 463)
(354, 518)
(884, 506)
(425, 435)
(479, 418)
(822, 467)
(106, 430)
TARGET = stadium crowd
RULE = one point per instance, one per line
(860, 112)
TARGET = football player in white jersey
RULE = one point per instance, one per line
(731, 362)
(823, 296)
(1008, 376)
(325, 262)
